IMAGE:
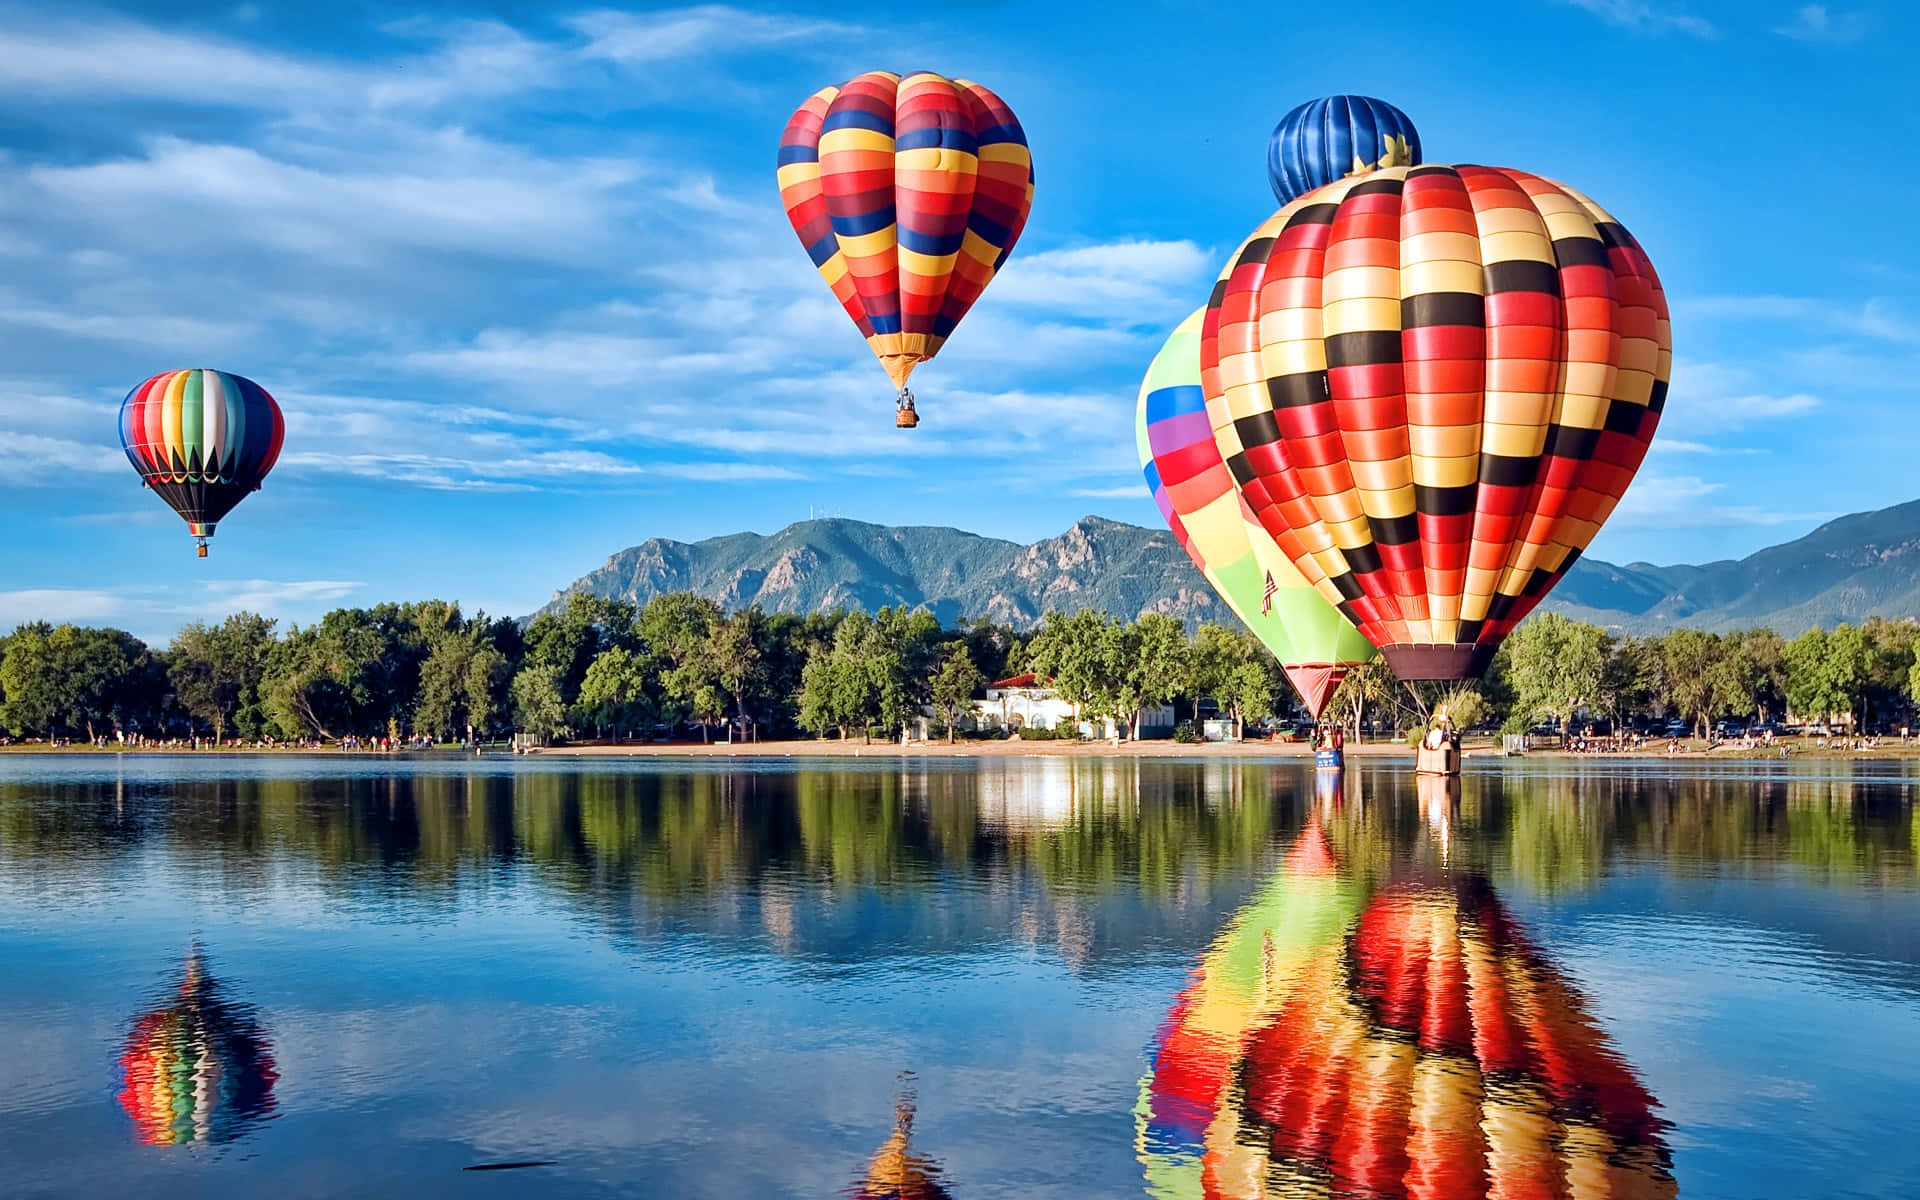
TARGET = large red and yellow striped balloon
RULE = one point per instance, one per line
(1434, 384)
(908, 193)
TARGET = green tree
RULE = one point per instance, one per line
(73, 679)
(1074, 654)
(1250, 693)
(1690, 661)
(954, 685)
(616, 691)
(1630, 677)
(537, 703)
(837, 689)
(1555, 665)
(736, 648)
(1766, 654)
(216, 669)
(679, 627)
(1216, 657)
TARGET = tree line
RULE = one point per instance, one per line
(680, 665)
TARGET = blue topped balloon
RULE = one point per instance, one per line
(1334, 137)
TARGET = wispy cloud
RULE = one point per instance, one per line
(639, 39)
(1690, 502)
(57, 604)
(1710, 397)
(1818, 23)
(1645, 16)
(1136, 491)
(152, 612)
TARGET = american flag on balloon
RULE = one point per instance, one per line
(1266, 594)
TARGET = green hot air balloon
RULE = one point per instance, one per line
(1197, 496)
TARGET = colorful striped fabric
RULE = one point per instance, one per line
(908, 194)
(1299, 916)
(1434, 384)
(1437, 1053)
(202, 439)
(1336, 136)
(1195, 493)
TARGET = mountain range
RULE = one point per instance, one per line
(1866, 564)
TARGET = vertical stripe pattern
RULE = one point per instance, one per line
(1331, 138)
(201, 439)
(1433, 384)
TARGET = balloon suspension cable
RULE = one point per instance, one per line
(905, 402)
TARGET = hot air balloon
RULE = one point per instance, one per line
(908, 193)
(196, 1068)
(1336, 136)
(1433, 385)
(202, 440)
(1195, 492)
(1438, 1054)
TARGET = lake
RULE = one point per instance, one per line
(327, 976)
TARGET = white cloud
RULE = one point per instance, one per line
(1113, 279)
(57, 605)
(1744, 307)
(274, 597)
(1818, 23)
(1666, 445)
(636, 39)
(428, 63)
(195, 195)
(1687, 502)
(1709, 398)
(35, 460)
(1644, 16)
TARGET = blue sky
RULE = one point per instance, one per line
(519, 276)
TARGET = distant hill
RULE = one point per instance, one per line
(817, 566)
(1858, 566)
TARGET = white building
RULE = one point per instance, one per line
(1023, 702)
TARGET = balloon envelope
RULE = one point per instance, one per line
(1196, 494)
(1336, 136)
(1434, 384)
(202, 440)
(908, 194)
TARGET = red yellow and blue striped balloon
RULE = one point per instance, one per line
(1434, 385)
(908, 193)
(202, 440)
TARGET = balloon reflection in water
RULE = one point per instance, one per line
(1198, 1049)
(197, 1068)
(896, 1171)
(1431, 1053)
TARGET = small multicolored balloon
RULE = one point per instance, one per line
(1336, 136)
(908, 194)
(202, 440)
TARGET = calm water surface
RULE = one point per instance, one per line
(1010, 978)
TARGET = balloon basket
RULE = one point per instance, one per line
(905, 418)
(1442, 760)
(200, 551)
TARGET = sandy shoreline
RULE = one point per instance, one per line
(998, 748)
